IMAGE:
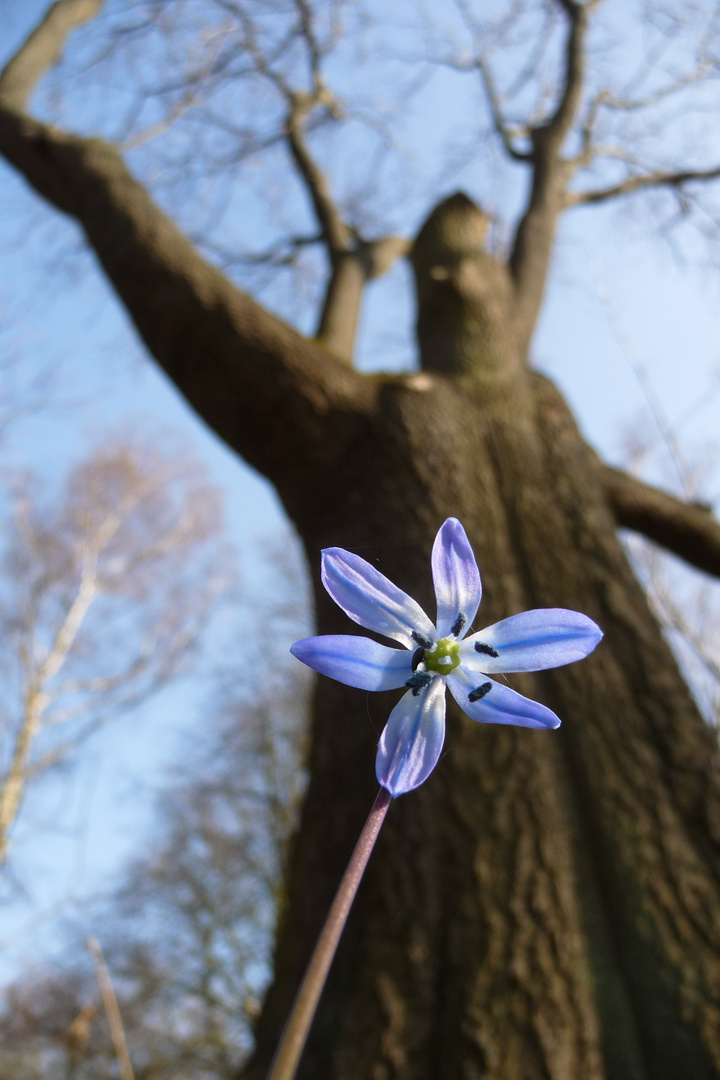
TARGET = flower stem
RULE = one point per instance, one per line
(287, 1055)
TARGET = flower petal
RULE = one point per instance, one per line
(531, 641)
(498, 704)
(356, 661)
(371, 600)
(412, 740)
(456, 578)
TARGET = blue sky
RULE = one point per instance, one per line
(629, 334)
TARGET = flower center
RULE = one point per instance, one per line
(443, 657)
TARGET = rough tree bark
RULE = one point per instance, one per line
(546, 905)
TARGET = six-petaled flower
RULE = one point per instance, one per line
(438, 655)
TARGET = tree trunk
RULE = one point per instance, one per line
(546, 905)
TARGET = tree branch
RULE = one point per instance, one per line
(337, 234)
(501, 128)
(270, 393)
(353, 262)
(574, 74)
(42, 49)
(535, 235)
(380, 254)
(687, 529)
(587, 134)
(351, 272)
(337, 325)
(641, 183)
(305, 15)
(341, 305)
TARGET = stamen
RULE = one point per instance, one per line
(417, 658)
(487, 650)
(480, 692)
(423, 642)
(418, 682)
(458, 625)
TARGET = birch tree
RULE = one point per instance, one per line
(104, 594)
(187, 931)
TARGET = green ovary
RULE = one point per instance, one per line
(444, 657)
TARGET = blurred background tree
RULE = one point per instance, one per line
(187, 934)
(104, 596)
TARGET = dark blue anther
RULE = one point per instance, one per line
(487, 650)
(417, 657)
(419, 681)
(479, 693)
(424, 642)
(458, 625)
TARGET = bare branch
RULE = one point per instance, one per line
(352, 260)
(656, 97)
(306, 24)
(501, 128)
(535, 234)
(574, 72)
(380, 255)
(42, 50)
(284, 253)
(336, 232)
(188, 101)
(643, 182)
(302, 104)
(687, 529)
(588, 150)
(479, 63)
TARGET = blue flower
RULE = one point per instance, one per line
(438, 655)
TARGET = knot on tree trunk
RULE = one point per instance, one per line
(464, 293)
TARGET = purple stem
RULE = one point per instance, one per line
(287, 1055)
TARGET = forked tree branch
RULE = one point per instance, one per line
(686, 529)
(353, 262)
(301, 105)
(574, 73)
(338, 236)
(494, 103)
(535, 236)
(337, 325)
